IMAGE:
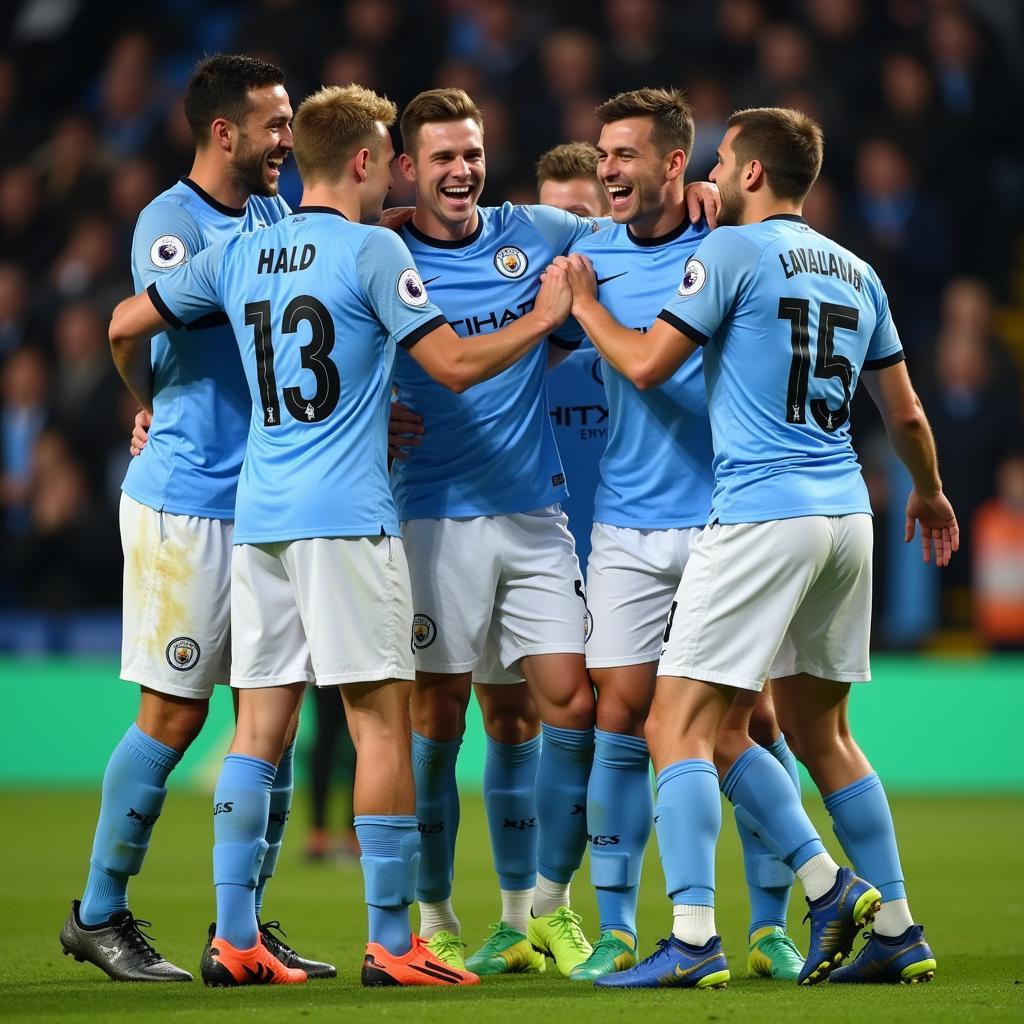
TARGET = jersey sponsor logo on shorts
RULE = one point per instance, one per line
(424, 631)
(411, 289)
(694, 277)
(182, 653)
(167, 252)
(511, 262)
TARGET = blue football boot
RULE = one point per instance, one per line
(675, 964)
(906, 959)
(835, 920)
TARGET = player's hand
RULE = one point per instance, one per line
(940, 534)
(554, 300)
(140, 432)
(396, 217)
(405, 429)
(582, 279)
(703, 200)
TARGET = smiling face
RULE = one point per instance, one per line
(448, 169)
(264, 141)
(632, 170)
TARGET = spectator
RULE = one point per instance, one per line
(24, 411)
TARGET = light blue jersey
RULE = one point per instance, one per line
(656, 471)
(788, 320)
(490, 450)
(317, 305)
(190, 464)
(579, 415)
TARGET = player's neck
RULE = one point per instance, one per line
(758, 209)
(334, 198)
(656, 225)
(214, 177)
(428, 223)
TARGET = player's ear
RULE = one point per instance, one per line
(407, 167)
(221, 133)
(676, 164)
(754, 177)
(360, 162)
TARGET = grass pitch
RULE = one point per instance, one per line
(962, 856)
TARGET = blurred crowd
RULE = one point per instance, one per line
(923, 177)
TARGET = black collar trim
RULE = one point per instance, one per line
(319, 209)
(670, 236)
(785, 216)
(446, 243)
(228, 211)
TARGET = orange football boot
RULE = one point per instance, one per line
(224, 966)
(417, 967)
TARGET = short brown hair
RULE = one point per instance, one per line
(334, 124)
(788, 144)
(219, 87)
(436, 106)
(567, 162)
(668, 109)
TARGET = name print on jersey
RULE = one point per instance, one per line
(286, 261)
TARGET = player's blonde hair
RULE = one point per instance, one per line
(788, 144)
(567, 162)
(333, 124)
(667, 108)
(436, 106)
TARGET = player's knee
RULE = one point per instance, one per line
(511, 726)
(437, 713)
(616, 715)
(729, 747)
(579, 710)
(763, 728)
(174, 723)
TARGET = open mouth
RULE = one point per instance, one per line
(274, 165)
(460, 195)
(618, 195)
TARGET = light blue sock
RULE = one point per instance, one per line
(781, 752)
(133, 795)
(767, 804)
(566, 757)
(769, 881)
(620, 814)
(437, 811)
(688, 818)
(510, 797)
(241, 803)
(863, 825)
(280, 808)
(390, 856)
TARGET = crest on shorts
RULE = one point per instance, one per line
(511, 262)
(693, 278)
(167, 252)
(411, 289)
(182, 653)
(423, 631)
(588, 619)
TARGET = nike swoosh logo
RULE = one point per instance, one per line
(431, 280)
(603, 280)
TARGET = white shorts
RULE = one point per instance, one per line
(176, 636)
(324, 610)
(513, 580)
(632, 577)
(765, 600)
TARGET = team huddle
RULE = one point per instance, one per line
(371, 499)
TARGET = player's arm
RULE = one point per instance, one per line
(458, 363)
(646, 359)
(911, 437)
(133, 323)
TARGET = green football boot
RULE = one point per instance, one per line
(560, 936)
(505, 952)
(448, 949)
(612, 952)
(773, 954)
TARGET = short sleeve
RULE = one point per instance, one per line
(884, 348)
(394, 288)
(192, 290)
(166, 237)
(559, 228)
(713, 278)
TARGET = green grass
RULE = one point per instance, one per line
(962, 855)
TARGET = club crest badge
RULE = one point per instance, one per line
(182, 653)
(411, 289)
(168, 252)
(423, 631)
(511, 262)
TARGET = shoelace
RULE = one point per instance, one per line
(606, 944)
(500, 931)
(568, 925)
(273, 942)
(131, 929)
(450, 944)
(771, 943)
